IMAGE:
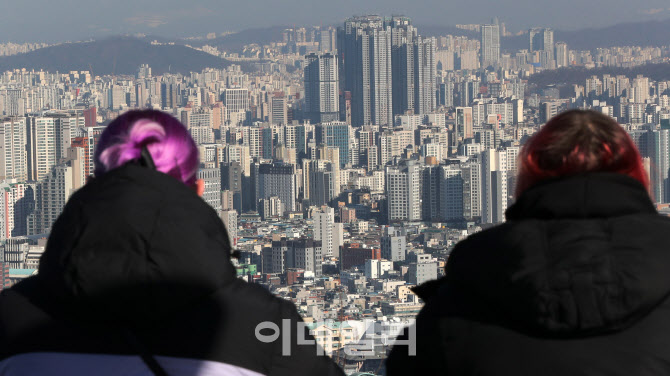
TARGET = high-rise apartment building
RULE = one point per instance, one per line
(464, 122)
(431, 195)
(490, 45)
(542, 39)
(14, 102)
(364, 51)
(306, 254)
(562, 55)
(494, 190)
(472, 203)
(17, 201)
(303, 253)
(13, 158)
(53, 192)
(229, 218)
(403, 191)
(425, 75)
(329, 233)
(451, 192)
(235, 100)
(322, 93)
(414, 69)
(42, 146)
(394, 244)
(334, 134)
(327, 40)
(278, 110)
(48, 139)
(323, 186)
(658, 149)
(279, 180)
(212, 180)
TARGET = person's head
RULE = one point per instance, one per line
(168, 141)
(576, 142)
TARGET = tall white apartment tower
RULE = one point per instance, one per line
(490, 45)
(562, 54)
(327, 231)
(494, 185)
(13, 159)
(403, 192)
(658, 148)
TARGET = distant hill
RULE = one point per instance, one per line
(648, 33)
(118, 55)
(235, 42)
(570, 76)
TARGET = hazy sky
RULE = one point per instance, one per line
(49, 20)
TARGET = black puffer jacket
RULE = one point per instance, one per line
(138, 263)
(574, 283)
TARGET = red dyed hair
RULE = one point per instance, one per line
(575, 142)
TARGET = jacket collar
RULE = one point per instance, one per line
(591, 195)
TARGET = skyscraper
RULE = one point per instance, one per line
(464, 124)
(414, 69)
(494, 185)
(425, 75)
(48, 138)
(54, 191)
(403, 192)
(451, 192)
(279, 180)
(327, 41)
(278, 111)
(212, 181)
(322, 182)
(42, 145)
(327, 231)
(335, 134)
(229, 218)
(403, 61)
(322, 101)
(542, 40)
(13, 161)
(562, 55)
(658, 147)
(364, 51)
(235, 100)
(472, 204)
(17, 201)
(490, 54)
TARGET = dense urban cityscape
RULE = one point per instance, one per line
(345, 162)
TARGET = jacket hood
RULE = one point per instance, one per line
(133, 246)
(578, 256)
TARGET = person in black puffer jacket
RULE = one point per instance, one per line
(576, 282)
(136, 278)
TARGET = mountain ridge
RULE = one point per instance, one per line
(645, 33)
(114, 55)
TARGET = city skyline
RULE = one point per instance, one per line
(174, 19)
(346, 162)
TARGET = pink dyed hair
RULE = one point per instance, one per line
(168, 141)
(576, 142)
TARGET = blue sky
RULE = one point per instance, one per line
(48, 20)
